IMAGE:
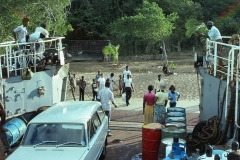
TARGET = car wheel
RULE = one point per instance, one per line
(104, 151)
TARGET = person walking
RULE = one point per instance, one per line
(128, 88)
(148, 108)
(94, 90)
(215, 35)
(98, 75)
(157, 84)
(111, 80)
(105, 96)
(101, 82)
(82, 85)
(173, 96)
(160, 101)
(125, 73)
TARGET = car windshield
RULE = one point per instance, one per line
(54, 134)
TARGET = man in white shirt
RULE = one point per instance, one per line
(111, 80)
(101, 82)
(21, 31)
(214, 35)
(106, 96)
(158, 83)
(42, 29)
(125, 73)
(128, 88)
(33, 37)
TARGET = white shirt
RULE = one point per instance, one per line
(21, 31)
(214, 34)
(128, 82)
(125, 73)
(158, 84)
(101, 81)
(106, 96)
(43, 31)
(32, 37)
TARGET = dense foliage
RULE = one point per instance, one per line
(139, 26)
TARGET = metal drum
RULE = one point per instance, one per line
(166, 146)
(16, 128)
(176, 109)
(171, 131)
(176, 119)
(176, 114)
(151, 137)
(176, 124)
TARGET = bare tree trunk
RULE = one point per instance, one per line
(179, 46)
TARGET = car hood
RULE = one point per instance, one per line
(48, 153)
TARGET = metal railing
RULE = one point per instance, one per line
(212, 56)
(15, 60)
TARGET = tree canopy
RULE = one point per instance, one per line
(134, 24)
(54, 13)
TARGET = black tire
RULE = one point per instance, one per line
(104, 151)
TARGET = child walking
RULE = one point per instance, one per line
(94, 90)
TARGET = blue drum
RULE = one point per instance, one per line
(176, 114)
(16, 128)
(176, 119)
(176, 109)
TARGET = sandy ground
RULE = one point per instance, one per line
(144, 73)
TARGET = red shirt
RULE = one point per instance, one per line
(149, 98)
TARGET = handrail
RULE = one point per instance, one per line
(236, 98)
(20, 56)
(212, 46)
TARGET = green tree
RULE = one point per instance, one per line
(149, 24)
(54, 13)
(112, 50)
(186, 9)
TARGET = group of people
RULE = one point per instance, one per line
(21, 34)
(102, 89)
(154, 103)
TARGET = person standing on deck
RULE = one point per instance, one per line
(21, 31)
(215, 35)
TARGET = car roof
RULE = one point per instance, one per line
(68, 111)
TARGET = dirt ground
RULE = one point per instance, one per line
(144, 73)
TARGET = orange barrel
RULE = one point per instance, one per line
(151, 138)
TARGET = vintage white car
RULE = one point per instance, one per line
(74, 130)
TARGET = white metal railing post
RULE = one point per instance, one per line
(232, 63)
(7, 66)
(236, 98)
(215, 60)
(1, 77)
(34, 54)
